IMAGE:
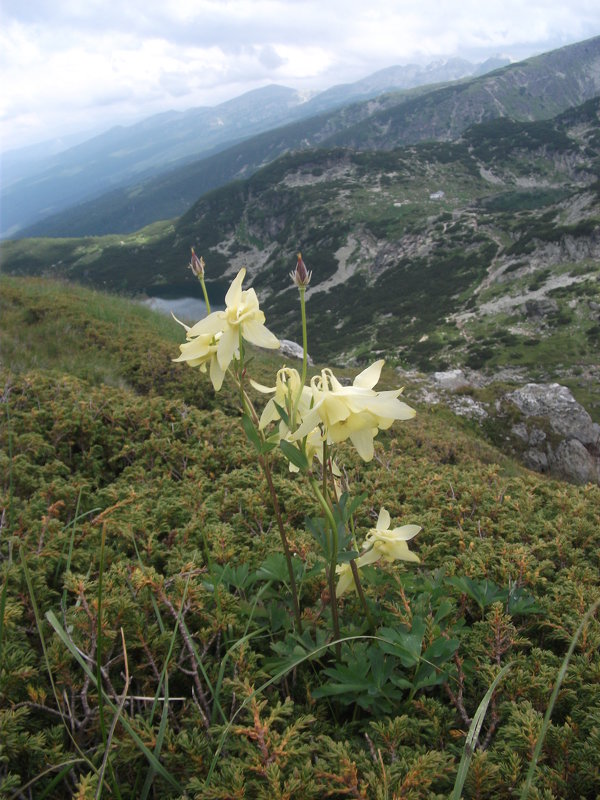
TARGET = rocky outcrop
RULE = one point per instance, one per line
(541, 423)
(557, 433)
(292, 349)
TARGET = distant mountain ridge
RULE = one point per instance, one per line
(537, 88)
(483, 252)
(128, 155)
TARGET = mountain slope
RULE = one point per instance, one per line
(483, 252)
(126, 155)
(533, 89)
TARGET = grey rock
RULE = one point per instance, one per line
(292, 349)
(554, 402)
(576, 456)
(451, 380)
(467, 407)
(536, 460)
(536, 437)
(520, 430)
(574, 462)
(540, 307)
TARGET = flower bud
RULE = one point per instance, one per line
(301, 276)
(197, 265)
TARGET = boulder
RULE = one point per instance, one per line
(539, 308)
(569, 447)
(451, 379)
(292, 349)
(555, 403)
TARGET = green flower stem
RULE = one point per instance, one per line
(286, 547)
(296, 403)
(332, 564)
(361, 595)
(302, 290)
(263, 460)
(324, 481)
(205, 293)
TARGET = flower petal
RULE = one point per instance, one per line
(210, 325)
(228, 344)
(216, 374)
(363, 441)
(369, 376)
(187, 327)
(260, 388)
(256, 333)
(234, 293)
(406, 532)
(345, 580)
(369, 557)
(383, 520)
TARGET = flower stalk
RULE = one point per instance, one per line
(263, 460)
(310, 420)
(197, 266)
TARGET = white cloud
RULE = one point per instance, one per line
(68, 65)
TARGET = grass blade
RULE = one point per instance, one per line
(546, 723)
(162, 728)
(473, 734)
(153, 761)
(38, 622)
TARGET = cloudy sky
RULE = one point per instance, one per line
(68, 66)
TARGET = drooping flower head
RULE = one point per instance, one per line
(286, 393)
(219, 333)
(354, 412)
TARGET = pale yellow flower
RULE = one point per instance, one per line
(354, 412)
(200, 351)
(390, 545)
(286, 390)
(216, 338)
(345, 579)
(380, 544)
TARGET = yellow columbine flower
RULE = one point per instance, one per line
(390, 545)
(380, 544)
(200, 351)
(216, 338)
(286, 390)
(354, 412)
(345, 580)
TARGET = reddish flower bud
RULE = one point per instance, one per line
(197, 265)
(301, 276)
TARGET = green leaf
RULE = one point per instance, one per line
(293, 455)
(441, 650)
(252, 433)
(317, 529)
(346, 556)
(283, 414)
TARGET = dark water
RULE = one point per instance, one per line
(187, 309)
